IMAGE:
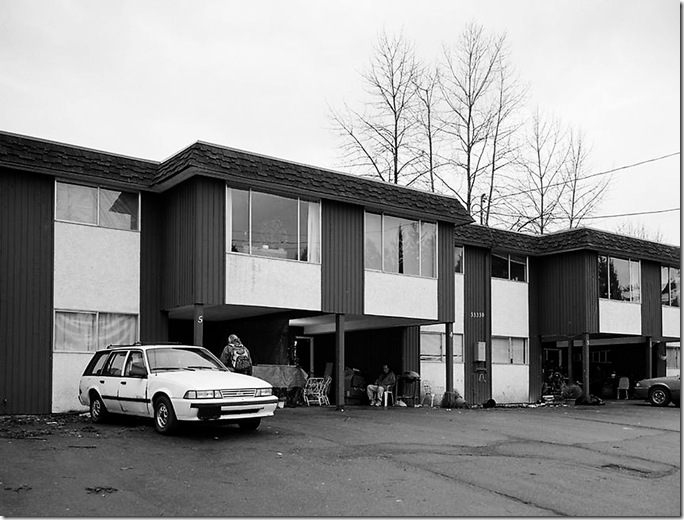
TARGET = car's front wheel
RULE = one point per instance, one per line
(659, 396)
(98, 412)
(250, 424)
(164, 417)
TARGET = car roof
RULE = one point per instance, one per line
(146, 346)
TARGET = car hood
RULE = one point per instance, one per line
(654, 380)
(210, 379)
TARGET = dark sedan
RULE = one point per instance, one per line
(660, 391)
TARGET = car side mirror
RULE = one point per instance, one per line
(138, 371)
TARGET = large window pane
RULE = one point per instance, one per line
(431, 346)
(519, 351)
(665, 285)
(674, 286)
(76, 203)
(116, 329)
(458, 348)
(603, 276)
(518, 268)
(428, 250)
(391, 232)
(309, 231)
(75, 331)
(500, 351)
(274, 226)
(458, 259)
(619, 279)
(409, 247)
(500, 266)
(118, 209)
(635, 281)
(373, 251)
(239, 211)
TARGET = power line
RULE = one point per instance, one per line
(634, 214)
(619, 168)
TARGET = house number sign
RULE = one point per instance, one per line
(478, 314)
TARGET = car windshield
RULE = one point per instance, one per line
(182, 358)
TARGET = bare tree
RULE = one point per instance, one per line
(639, 230)
(581, 194)
(428, 127)
(534, 199)
(378, 139)
(468, 80)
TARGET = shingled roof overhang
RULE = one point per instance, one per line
(577, 239)
(29, 154)
(270, 174)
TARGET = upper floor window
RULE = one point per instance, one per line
(97, 206)
(458, 259)
(262, 224)
(669, 286)
(619, 279)
(509, 267)
(399, 245)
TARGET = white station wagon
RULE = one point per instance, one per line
(172, 383)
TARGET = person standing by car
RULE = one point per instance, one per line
(236, 356)
(384, 381)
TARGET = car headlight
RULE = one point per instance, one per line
(202, 394)
(261, 392)
(637, 385)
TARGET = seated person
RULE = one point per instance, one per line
(376, 391)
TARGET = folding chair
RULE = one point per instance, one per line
(623, 386)
(427, 394)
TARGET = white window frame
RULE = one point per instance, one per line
(508, 260)
(630, 261)
(525, 353)
(420, 245)
(457, 348)
(97, 206)
(95, 346)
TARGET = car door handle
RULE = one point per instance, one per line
(123, 382)
(102, 381)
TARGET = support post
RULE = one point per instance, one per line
(449, 362)
(649, 357)
(339, 361)
(571, 377)
(585, 363)
(198, 327)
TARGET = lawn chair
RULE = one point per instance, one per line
(316, 391)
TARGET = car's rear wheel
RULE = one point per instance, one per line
(98, 411)
(659, 396)
(250, 424)
(164, 417)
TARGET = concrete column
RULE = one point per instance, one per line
(449, 334)
(585, 363)
(339, 361)
(198, 327)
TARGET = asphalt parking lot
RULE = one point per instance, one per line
(621, 459)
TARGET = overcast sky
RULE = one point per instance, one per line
(148, 78)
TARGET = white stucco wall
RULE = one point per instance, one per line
(510, 383)
(619, 317)
(268, 282)
(671, 322)
(510, 310)
(67, 369)
(400, 295)
(96, 269)
(434, 373)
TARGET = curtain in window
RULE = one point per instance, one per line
(635, 281)
(116, 329)
(428, 247)
(76, 203)
(373, 241)
(75, 331)
(431, 346)
(118, 209)
(500, 351)
(313, 238)
(518, 351)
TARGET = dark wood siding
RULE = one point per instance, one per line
(446, 292)
(535, 345)
(153, 321)
(410, 351)
(568, 294)
(26, 292)
(651, 307)
(342, 269)
(477, 322)
(194, 243)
